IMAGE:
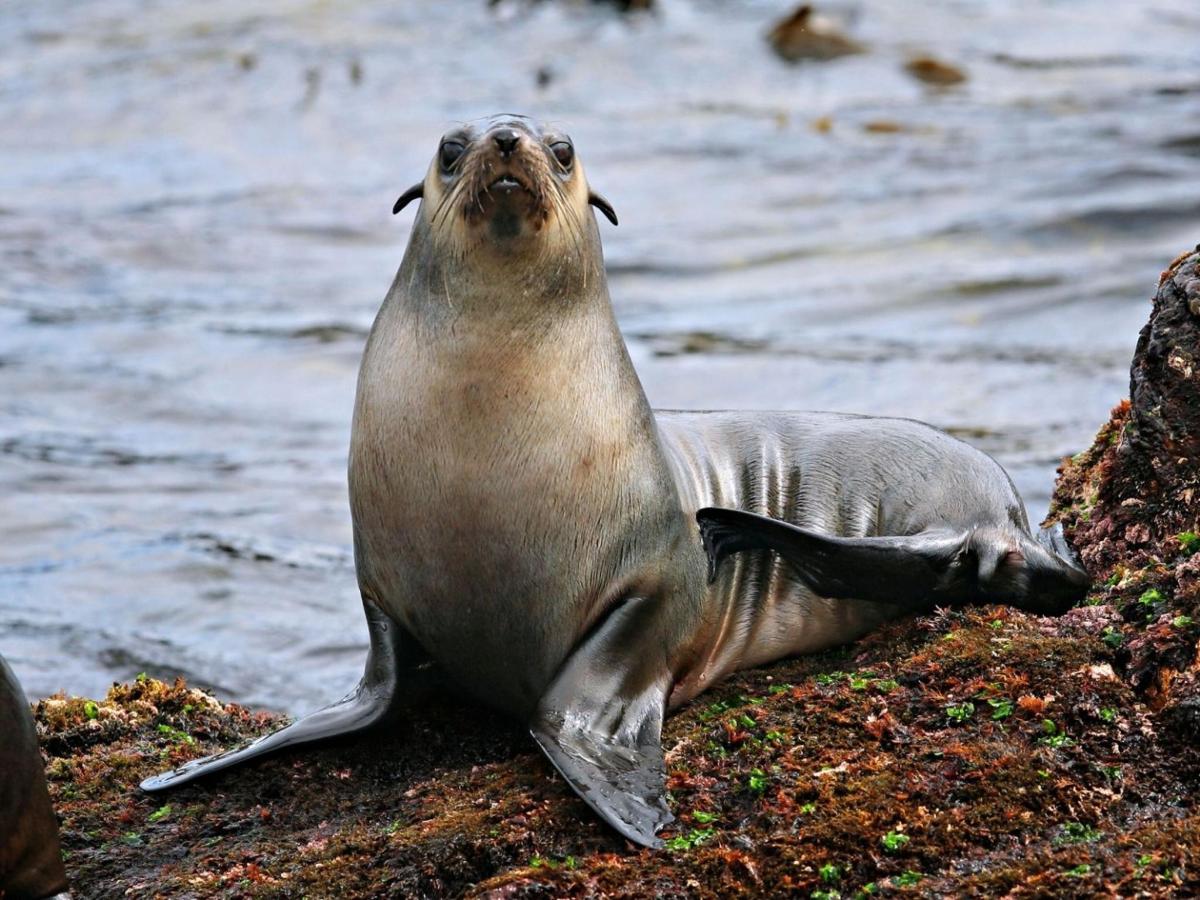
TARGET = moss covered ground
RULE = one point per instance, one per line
(969, 752)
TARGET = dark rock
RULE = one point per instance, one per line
(934, 72)
(800, 37)
(1130, 504)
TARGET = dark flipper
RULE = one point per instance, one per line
(902, 570)
(1054, 541)
(1057, 579)
(396, 669)
(976, 566)
(600, 723)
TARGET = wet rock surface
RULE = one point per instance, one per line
(1131, 505)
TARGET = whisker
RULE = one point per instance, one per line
(569, 217)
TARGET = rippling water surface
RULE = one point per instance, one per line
(195, 233)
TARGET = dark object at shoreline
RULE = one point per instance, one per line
(621, 5)
(799, 38)
(31, 864)
(934, 72)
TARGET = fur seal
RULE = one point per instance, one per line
(31, 865)
(525, 524)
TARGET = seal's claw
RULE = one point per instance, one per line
(721, 537)
(711, 551)
(1053, 539)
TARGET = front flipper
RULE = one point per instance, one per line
(396, 669)
(907, 571)
(600, 723)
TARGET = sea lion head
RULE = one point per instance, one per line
(508, 184)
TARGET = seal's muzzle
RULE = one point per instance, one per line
(507, 183)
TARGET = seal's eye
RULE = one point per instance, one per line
(451, 152)
(564, 153)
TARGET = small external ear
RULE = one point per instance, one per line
(603, 205)
(416, 192)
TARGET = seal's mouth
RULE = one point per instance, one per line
(508, 183)
(510, 196)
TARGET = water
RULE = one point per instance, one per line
(195, 234)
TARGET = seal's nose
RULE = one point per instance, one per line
(506, 141)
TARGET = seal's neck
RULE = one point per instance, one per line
(502, 334)
(518, 362)
(493, 285)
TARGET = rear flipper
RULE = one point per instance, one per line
(980, 565)
(1057, 575)
(397, 670)
(600, 723)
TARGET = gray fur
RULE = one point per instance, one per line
(521, 512)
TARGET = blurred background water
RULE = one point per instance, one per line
(195, 234)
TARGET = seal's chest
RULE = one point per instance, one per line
(512, 465)
(524, 415)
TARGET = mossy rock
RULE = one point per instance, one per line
(1004, 747)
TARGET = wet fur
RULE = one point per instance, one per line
(523, 519)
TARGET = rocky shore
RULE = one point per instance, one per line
(968, 752)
